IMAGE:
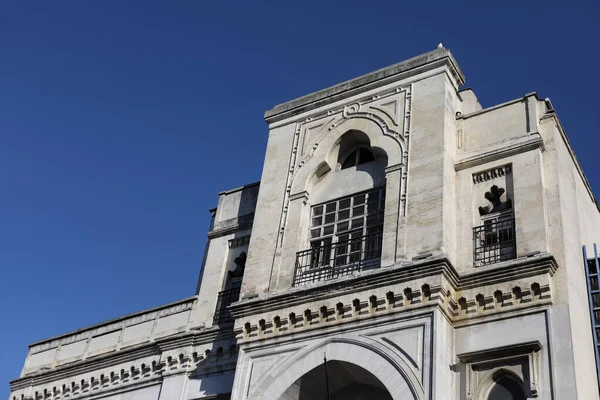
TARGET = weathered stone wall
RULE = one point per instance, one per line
(579, 223)
(229, 238)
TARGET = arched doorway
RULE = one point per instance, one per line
(343, 380)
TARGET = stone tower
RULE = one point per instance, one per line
(403, 243)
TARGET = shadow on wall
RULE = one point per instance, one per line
(213, 375)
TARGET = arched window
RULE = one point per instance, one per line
(357, 157)
(506, 388)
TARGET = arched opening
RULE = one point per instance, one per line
(359, 156)
(506, 388)
(352, 165)
(344, 380)
(354, 148)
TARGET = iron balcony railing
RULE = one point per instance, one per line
(338, 259)
(224, 299)
(494, 241)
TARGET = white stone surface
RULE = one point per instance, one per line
(411, 323)
(108, 340)
(138, 332)
(148, 393)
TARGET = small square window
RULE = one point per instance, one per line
(345, 214)
(329, 218)
(357, 223)
(343, 226)
(360, 199)
(344, 204)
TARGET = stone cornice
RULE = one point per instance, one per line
(416, 65)
(113, 324)
(501, 150)
(239, 241)
(497, 106)
(128, 355)
(232, 225)
(500, 272)
(491, 173)
(502, 290)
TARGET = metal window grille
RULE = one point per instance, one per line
(224, 299)
(356, 253)
(592, 268)
(494, 241)
(346, 218)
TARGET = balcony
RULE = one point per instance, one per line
(494, 241)
(337, 259)
(224, 299)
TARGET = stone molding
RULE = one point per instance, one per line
(400, 272)
(510, 287)
(195, 353)
(392, 168)
(304, 196)
(527, 352)
(233, 225)
(239, 241)
(113, 325)
(500, 151)
(492, 173)
(405, 69)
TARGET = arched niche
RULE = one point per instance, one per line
(326, 153)
(502, 384)
(334, 181)
(506, 388)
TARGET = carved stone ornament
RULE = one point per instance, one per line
(239, 241)
(496, 204)
(477, 380)
(492, 174)
(240, 266)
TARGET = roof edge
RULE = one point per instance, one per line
(112, 321)
(237, 189)
(306, 101)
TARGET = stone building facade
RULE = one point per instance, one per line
(403, 243)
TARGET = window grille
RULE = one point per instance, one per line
(494, 240)
(343, 233)
(224, 299)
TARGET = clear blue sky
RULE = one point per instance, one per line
(120, 121)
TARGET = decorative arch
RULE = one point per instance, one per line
(384, 117)
(323, 150)
(403, 385)
(489, 382)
